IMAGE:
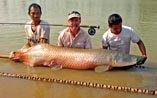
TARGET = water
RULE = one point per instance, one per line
(139, 14)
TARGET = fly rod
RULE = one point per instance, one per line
(84, 26)
(91, 29)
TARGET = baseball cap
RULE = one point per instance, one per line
(74, 14)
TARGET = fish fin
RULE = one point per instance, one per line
(56, 67)
(102, 68)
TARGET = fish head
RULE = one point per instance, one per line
(15, 55)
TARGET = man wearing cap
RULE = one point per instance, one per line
(74, 36)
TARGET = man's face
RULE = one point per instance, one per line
(74, 22)
(116, 29)
(35, 14)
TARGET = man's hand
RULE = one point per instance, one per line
(141, 60)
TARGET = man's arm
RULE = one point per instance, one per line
(43, 40)
(27, 45)
(143, 51)
(142, 48)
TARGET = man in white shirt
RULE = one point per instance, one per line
(37, 30)
(119, 37)
(74, 36)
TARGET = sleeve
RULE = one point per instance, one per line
(134, 37)
(104, 40)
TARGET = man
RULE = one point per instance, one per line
(36, 32)
(118, 37)
(74, 36)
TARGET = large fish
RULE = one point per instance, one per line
(48, 55)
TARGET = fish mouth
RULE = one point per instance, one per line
(14, 56)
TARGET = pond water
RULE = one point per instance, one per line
(139, 14)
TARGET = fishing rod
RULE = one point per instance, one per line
(91, 30)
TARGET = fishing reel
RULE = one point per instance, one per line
(91, 30)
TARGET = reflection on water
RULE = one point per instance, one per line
(139, 14)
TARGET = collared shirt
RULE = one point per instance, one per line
(121, 41)
(81, 40)
(42, 31)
